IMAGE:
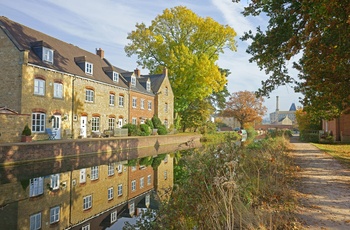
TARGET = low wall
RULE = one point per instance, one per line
(113, 149)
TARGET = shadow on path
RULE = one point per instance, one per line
(323, 188)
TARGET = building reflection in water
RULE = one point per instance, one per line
(94, 195)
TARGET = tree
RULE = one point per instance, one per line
(319, 31)
(189, 47)
(218, 99)
(245, 107)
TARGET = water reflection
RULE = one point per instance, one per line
(95, 195)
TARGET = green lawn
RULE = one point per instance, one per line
(338, 151)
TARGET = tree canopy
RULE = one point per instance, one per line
(319, 31)
(245, 107)
(189, 46)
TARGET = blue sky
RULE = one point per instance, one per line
(105, 24)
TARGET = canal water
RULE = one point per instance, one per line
(82, 193)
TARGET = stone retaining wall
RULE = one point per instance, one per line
(108, 148)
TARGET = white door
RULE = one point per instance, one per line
(83, 121)
(120, 123)
(56, 126)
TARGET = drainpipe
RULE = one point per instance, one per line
(72, 110)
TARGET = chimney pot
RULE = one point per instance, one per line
(137, 72)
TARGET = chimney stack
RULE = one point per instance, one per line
(277, 109)
(137, 72)
(100, 53)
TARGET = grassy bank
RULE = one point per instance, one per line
(230, 187)
(339, 151)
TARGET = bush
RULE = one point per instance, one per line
(133, 130)
(149, 123)
(145, 130)
(156, 122)
(162, 130)
(26, 131)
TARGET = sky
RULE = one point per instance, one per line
(105, 24)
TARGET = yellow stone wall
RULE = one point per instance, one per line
(161, 99)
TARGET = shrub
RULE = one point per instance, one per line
(162, 130)
(26, 131)
(149, 123)
(133, 130)
(156, 122)
(145, 130)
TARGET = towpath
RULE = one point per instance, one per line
(323, 189)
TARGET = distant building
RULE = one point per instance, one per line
(283, 117)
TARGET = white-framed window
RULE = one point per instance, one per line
(142, 182)
(114, 216)
(166, 123)
(132, 208)
(142, 105)
(82, 178)
(120, 189)
(94, 172)
(54, 214)
(110, 169)
(133, 80)
(111, 123)
(36, 186)
(39, 86)
(55, 181)
(166, 91)
(111, 99)
(115, 76)
(134, 102)
(148, 86)
(133, 168)
(86, 227)
(47, 55)
(95, 124)
(87, 202)
(35, 221)
(88, 68)
(165, 174)
(134, 121)
(121, 101)
(57, 90)
(166, 107)
(133, 185)
(110, 193)
(149, 105)
(149, 180)
(166, 158)
(89, 95)
(120, 168)
(38, 122)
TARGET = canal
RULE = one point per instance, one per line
(86, 191)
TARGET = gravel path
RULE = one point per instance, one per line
(324, 189)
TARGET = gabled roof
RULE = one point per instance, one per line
(65, 54)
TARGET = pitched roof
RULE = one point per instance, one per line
(65, 54)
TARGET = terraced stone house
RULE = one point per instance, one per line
(60, 87)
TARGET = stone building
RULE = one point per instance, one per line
(71, 91)
(283, 117)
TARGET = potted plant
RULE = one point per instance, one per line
(26, 134)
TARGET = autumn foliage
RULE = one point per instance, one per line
(245, 107)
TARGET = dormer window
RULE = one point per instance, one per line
(115, 76)
(133, 80)
(148, 86)
(47, 55)
(88, 68)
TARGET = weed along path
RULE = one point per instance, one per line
(323, 189)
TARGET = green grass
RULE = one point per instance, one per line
(340, 152)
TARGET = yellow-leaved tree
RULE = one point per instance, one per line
(189, 46)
